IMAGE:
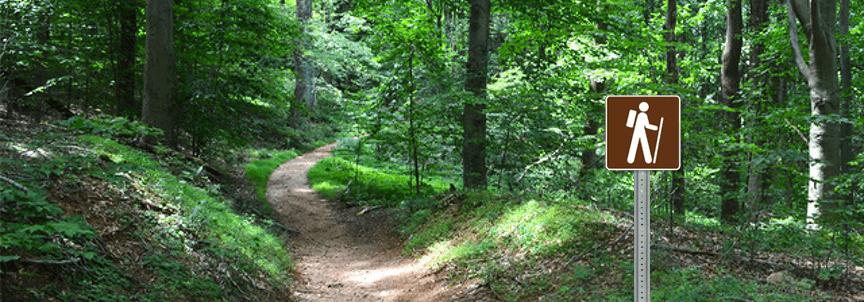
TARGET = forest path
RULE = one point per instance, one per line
(341, 256)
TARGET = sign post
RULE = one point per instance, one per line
(629, 124)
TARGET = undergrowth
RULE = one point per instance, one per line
(371, 182)
(526, 247)
(103, 221)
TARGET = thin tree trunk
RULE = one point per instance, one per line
(304, 89)
(474, 115)
(597, 87)
(158, 110)
(678, 182)
(125, 87)
(730, 78)
(413, 130)
(758, 22)
(589, 157)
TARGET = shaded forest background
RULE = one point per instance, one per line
(503, 96)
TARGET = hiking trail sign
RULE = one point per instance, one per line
(643, 133)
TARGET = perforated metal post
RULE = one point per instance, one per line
(642, 240)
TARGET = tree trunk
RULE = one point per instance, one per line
(412, 127)
(677, 194)
(127, 105)
(304, 87)
(758, 22)
(819, 19)
(474, 115)
(846, 148)
(730, 79)
(594, 111)
(158, 110)
(589, 156)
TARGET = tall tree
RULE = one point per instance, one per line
(818, 19)
(304, 89)
(672, 79)
(474, 115)
(730, 80)
(758, 23)
(846, 149)
(126, 104)
(159, 76)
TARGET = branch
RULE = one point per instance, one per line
(432, 12)
(796, 49)
(51, 262)
(806, 141)
(14, 184)
(801, 9)
(540, 161)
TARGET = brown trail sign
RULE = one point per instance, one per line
(643, 132)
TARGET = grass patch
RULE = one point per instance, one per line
(528, 227)
(369, 185)
(259, 170)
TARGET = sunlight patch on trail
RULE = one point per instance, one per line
(373, 276)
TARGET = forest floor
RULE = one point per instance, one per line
(343, 256)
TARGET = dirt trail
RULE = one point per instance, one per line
(341, 256)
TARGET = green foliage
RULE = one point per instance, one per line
(308, 136)
(689, 284)
(37, 227)
(231, 69)
(233, 65)
(369, 185)
(112, 127)
(229, 235)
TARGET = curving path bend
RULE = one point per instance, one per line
(341, 256)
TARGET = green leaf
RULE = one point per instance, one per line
(9, 258)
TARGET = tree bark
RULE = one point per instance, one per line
(819, 19)
(846, 148)
(304, 87)
(593, 112)
(730, 79)
(474, 115)
(678, 183)
(159, 110)
(126, 103)
(758, 22)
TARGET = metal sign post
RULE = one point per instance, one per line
(632, 122)
(642, 240)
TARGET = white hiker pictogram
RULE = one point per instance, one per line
(639, 123)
